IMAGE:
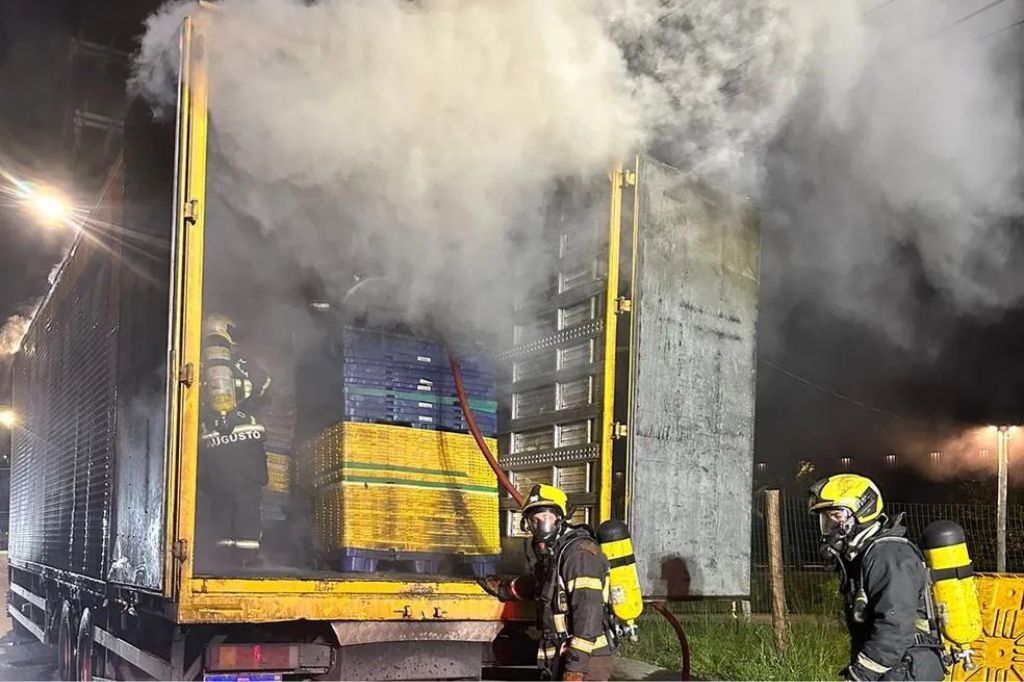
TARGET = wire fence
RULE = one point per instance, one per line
(811, 586)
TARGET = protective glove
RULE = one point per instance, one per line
(498, 587)
(574, 675)
(855, 671)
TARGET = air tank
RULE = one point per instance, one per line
(624, 583)
(953, 589)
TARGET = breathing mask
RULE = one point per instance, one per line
(835, 524)
(544, 525)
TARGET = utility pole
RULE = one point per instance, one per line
(1004, 438)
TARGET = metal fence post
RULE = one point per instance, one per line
(780, 620)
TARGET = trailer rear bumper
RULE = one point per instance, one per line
(269, 601)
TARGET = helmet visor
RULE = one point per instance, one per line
(543, 523)
(835, 521)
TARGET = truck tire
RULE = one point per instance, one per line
(65, 644)
(84, 647)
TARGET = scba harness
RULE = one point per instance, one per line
(558, 636)
(927, 632)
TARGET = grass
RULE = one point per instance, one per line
(725, 649)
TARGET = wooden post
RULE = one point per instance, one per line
(780, 619)
(1003, 435)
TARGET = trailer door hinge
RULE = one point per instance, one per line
(623, 305)
(191, 211)
(627, 178)
(180, 550)
(620, 430)
(187, 374)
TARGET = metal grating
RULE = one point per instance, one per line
(65, 395)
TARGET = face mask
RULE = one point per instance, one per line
(835, 525)
(544, 525)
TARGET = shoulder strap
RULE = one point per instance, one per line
(892, 538)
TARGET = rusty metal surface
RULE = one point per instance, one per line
(349, 633)
(409, 661)
(693, 399)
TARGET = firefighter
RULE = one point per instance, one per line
(884, 582)
(232, 456)
(569, 581)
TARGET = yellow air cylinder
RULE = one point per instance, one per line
(219, 379)
(624, 583)
(953, 589)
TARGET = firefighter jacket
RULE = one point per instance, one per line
(236, 440)
(886, 594)
(570, 585)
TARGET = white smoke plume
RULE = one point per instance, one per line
(429, 132)
(892, 197)
(11, 334)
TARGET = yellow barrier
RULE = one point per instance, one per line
(999, 654)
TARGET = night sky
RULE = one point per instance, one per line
(965, 369)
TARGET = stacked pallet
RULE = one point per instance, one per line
(421, 497)
(398, 379)
(399, 479)
(279, 421)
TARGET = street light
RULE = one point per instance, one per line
(8, 419)
(45, 204)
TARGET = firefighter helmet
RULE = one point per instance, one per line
(545, 496)
(544, 527)
(222, 326)
(847, 491)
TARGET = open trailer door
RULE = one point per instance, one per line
(189, 220)
(630, 380)
(693, 360)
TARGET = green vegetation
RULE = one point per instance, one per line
(723, 648)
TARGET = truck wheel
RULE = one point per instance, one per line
(65, 645)
(84, 647)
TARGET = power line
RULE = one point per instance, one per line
(999, 30)
(966, 17)
(833, 393)
(878, 6)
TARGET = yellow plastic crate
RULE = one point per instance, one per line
(394, 488)
(999, 654)
(432, 455)
(279, 473)
(404, 517)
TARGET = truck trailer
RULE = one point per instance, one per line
(625, 376)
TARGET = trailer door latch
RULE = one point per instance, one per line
(191, 212)
(180, 550)
(187, 374)
(620, 430)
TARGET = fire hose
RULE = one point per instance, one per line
(460, 392)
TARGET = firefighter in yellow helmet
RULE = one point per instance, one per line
(884, 582)
(232, 456)
(569, 581)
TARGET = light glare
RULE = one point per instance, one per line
(48, 206)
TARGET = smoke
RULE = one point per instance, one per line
(717, 81)
(893, 200)
(427, 136)
(11, 334)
